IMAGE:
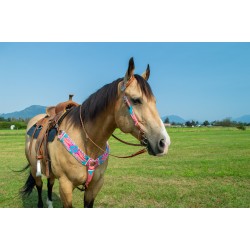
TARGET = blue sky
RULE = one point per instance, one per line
(193, 80)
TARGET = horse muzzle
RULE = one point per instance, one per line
(158, 146)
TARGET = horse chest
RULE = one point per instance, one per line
(64, 165)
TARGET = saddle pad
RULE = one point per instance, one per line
(51, 136)
(32, 130)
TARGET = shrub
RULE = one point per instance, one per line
(241, 126)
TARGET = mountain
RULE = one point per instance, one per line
(37, 109)
(26, 113)
(244, 119)
(174, 118)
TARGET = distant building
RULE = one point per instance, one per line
(167, 124)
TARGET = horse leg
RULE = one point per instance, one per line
(50, 184)
(31, 182)
(91, 192)
(66, 189)
(39, 187)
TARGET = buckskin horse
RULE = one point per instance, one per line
(79, 154)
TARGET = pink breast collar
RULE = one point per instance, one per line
(81, 157)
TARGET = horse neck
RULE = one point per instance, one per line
(98, 130)
(101, 128)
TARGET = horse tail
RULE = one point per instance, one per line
(22, 170)
(28, 186)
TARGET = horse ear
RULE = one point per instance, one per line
(146, 74)
(130, 71)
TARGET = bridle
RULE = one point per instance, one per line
(141, 135)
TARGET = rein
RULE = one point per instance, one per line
(116, 156)
(136, 122)
(127, 143)
(92, 164)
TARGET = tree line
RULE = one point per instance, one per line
(20, 123)
(224, 123)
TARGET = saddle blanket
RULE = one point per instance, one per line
(51, 136)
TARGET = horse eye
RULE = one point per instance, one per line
(136, 101)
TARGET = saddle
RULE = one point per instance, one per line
(46, 129)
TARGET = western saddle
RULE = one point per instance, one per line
(46, 129)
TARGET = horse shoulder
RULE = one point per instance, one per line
(63, 164)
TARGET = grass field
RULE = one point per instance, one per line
(205, 167)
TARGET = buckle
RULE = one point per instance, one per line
(92, 163)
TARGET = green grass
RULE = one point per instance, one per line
(205, 167)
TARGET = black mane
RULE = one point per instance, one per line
(105, 96)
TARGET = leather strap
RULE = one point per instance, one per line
(127, 143)
(40, 139)
(41, 146)
(116, 156)
(144, 150)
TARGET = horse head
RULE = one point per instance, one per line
(136, 112)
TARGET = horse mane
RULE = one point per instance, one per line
(99, 101)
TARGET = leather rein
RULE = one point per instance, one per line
(141, 135)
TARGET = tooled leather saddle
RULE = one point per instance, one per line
(45, 130)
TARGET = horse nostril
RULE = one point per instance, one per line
(162, 144)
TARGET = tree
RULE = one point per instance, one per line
(192, 123)
(206, 123)
(226, 122)
(166, 120)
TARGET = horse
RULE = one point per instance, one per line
(127, 103)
